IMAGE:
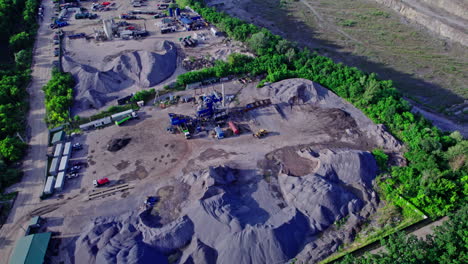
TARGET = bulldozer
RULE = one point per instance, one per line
(261, 133)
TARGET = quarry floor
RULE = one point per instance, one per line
(154, 157)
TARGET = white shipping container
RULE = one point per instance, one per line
(58, 150)
(48, 189)
(54, 166)
(60, 181)
(63, 163)
(67, 149)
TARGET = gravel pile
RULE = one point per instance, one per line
(232, 215)
(141, 69)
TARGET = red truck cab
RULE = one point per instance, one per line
(101, 182)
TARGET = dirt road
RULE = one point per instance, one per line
(34, 164)
(419, 233)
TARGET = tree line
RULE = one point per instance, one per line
(447, 245)
(436, 176)
(17, 32)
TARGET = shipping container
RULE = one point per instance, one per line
(60, 181)
(63, 163)
(67, 149)
(53, 170)
(49, 186)
(58, 150)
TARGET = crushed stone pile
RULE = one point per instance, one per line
(233, 215)
(95, 87)
(306, 96)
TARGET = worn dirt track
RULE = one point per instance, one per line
(34, 163)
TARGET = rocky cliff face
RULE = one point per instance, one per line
(447, 18)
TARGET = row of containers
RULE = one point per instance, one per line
(58, 168)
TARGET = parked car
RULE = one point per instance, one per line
(72, 175)
(77, 146)
(74, 169)
(79, 163)
(101, 182)
(56, 52)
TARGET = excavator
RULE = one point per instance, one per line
(261, 133)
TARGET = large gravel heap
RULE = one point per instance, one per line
(234, 214)
(97, 86)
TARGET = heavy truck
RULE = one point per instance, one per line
(118, 120)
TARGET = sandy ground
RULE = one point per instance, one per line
(34, 164)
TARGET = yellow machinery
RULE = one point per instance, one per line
(261, 133)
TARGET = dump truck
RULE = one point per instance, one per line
(261, 133)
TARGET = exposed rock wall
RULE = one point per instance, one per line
(447, 18)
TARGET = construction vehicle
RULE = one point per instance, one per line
(150, 201)
(58, 24)
(261, 133)
(171, 129)
(184, 130)
(122, 119)
(219, 133)
(101, 182)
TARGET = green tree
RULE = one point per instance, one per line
(20, 41)
(12, 149)
(23, 59)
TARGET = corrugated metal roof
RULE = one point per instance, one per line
(57, 137)
(31, 249)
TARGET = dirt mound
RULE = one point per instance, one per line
(233, 214)
(117, 144)
(95, 87)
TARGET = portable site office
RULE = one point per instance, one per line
(67, 149)
(48, 189)
(54, 166)
(60, 181)
(58, 150)
(63, 163)
(96, 123)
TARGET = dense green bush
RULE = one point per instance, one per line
(143, 95)
(59, 97)
(435, 179)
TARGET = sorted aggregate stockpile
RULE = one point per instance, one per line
(231, 214)
(95, 87)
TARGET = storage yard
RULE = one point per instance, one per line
(204, 174)
(128, 48)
